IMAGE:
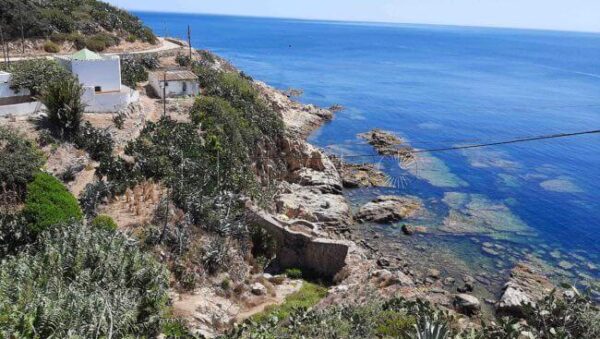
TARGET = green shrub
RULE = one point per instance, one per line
(293, 273)
(36, 74)
(63, 103)
(51, 47)
(308, 295)
(131, 38)
(49, 203)
(96, 44)
(97, 142)
(80, 282)
(183, 60)
(19, 160)
(104, 222)
(132, 71)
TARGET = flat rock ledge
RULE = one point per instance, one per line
(388, 208)
(526, 285)
(360, 175)
(387, 143)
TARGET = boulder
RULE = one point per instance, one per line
(433, 273)
(385, 209)
(467, 304)
(310, 204)
(360, 175)
(408, 229)
(258, 289)
(526, 285)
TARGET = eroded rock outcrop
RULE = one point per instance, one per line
(388, 209)
(527, 285)
(387, 143)
(361, 175)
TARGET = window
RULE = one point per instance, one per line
(166, 84)
(98, 88)
(185, 86)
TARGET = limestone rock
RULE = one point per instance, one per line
(360, 175)
(467, 304)
(388, 209)
(301, 202)
(387, 143)
(258, 289)
(526, 286)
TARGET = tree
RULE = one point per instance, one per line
(65, 108)
(19, 160)
(36, 74)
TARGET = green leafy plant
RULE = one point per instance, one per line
(63, 102)
(293, 273)
(97, 142)
(36, 74)
(51, 47)
(19, 160)
(76, 281)
(104, 222)
(49, 203)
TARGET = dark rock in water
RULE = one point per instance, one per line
(527, 285)
(483, 280)
(383, 262)
(467, 287)
(386, 143)
(388, 209)
(360, 175)
(467, 304)
(408, 229)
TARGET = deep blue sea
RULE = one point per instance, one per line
(440, 86)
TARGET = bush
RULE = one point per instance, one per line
(104, 222)
(49, 203)
(131, 38)
(36, 74)
(293, 273)
(81, 282)
(132, 71)
(63, 102)
(308, 295)
(92, 195)
(19, 160)
(97, 142)
(51, 47)
(183, 60)
(96, 44)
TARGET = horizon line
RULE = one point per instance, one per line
(370, 22)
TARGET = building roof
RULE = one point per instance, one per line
(86, 55)
(178, 75)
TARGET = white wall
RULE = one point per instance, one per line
(26, 108)
(6, 91)
(175, 88)
(111, 102)
(105, 73)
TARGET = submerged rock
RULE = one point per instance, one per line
(361, 175)
(387, 143)
(527, 285)
(386, 209)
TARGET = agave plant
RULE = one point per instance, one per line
(431, 327)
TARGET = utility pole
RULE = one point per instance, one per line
(164, 93)
(190, 41)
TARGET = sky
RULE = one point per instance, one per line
(568, 15)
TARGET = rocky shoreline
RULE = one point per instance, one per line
(314, 192)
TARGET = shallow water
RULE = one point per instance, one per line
(445, 86)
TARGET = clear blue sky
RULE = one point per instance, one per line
(577, 15)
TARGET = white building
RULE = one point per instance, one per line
(174, 83)
(100, 76)
(14, 102)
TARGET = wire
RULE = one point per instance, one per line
(454, 148)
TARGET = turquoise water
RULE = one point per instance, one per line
(445, 86)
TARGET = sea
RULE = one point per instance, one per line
(441, 87)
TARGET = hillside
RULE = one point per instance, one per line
(68, 19)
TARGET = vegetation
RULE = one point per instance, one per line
(45, 18)
(19, 160)
(134, 68)
(82, 282)
(308, 295)
(104, 222)
(63, 102)
(36, 74)
(96, 141)
(51, 47)
(48, 203)
(293, 273)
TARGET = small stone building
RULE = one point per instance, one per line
(100, 76)
(174, 83)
